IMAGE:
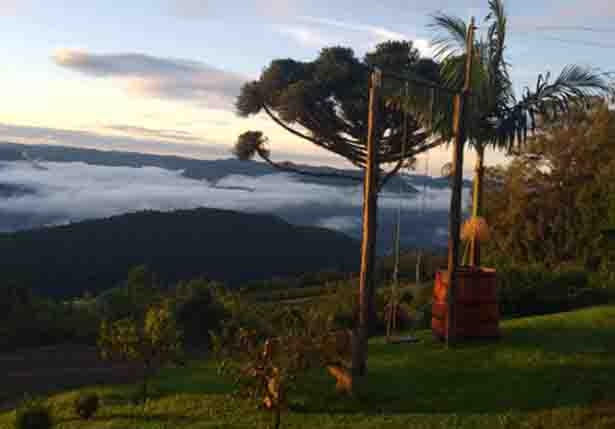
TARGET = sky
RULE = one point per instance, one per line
(161, 75)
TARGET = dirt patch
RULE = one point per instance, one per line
(51, 369)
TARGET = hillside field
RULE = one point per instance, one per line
(553, 371)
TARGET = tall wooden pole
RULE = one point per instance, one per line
(368, 246)
(455, 213)
(477, 202)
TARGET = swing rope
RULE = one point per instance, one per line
(392, 310)
(394, 301)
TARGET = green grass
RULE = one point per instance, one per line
(547, 372)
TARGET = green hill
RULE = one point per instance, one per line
(220, 245)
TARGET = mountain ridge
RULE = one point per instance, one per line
(193, 168)
(221, 245)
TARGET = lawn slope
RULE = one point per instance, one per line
(547, 372)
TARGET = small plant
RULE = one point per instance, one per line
(269, 369)
(475, 230)
(153, 341)
(86, 405)
(33, 415)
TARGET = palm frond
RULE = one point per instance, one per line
(451, 34)
(575, 86)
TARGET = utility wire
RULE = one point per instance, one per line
(580, 42)
(581, 28)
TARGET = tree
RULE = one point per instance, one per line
(334, 103)
(560, 194)
(152, 341)
(269, 370)
(143, 288)
(494, 116)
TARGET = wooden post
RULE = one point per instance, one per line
(477, 202)
(368, 246)
(455, 213)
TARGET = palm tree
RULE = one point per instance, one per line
(494, 116)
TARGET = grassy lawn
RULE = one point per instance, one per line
(547, 372)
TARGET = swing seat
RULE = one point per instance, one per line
(403, 340)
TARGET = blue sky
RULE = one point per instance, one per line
(139, 74)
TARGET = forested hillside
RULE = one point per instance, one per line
(217, 244)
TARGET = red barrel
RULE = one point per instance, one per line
(477, 310)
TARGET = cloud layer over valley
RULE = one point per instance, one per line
(59, 193)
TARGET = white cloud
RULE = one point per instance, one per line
(163, 134)
(77, 191)
(341, 223)
(149, 140)
(379, 32)
(165, 78)
(376, 34)
(305, 36)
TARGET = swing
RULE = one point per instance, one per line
(391, 313)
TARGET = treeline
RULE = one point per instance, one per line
(551, 213)
(555, 203)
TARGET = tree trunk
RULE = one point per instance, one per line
(477, 202)
(144, 386)
(455, 213)
(368, 245)
(277, 417)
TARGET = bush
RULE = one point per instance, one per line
(153, 341)
(536, 290)
(86, 405)
(33, 415)
(198, 311)
(27, 320)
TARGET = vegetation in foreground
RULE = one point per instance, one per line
(546, 372)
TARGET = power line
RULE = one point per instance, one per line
(580, 42)
(581, 28)
(544, 28)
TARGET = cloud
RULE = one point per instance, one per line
(164, 78)
(75, 191)
(94, 140)
(66, 192)
(341, 223)
(376, 34)
(305, 36)
(154, 133)
(379, 32)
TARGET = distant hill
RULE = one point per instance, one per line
(217, 244)
(211, 170)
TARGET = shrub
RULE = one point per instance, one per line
(269, 370)
(536, 290)
(86, 405)
(152, 341)
(33, 415)
(198, 311)
(27, 320)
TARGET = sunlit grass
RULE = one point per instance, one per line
(547, 372)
